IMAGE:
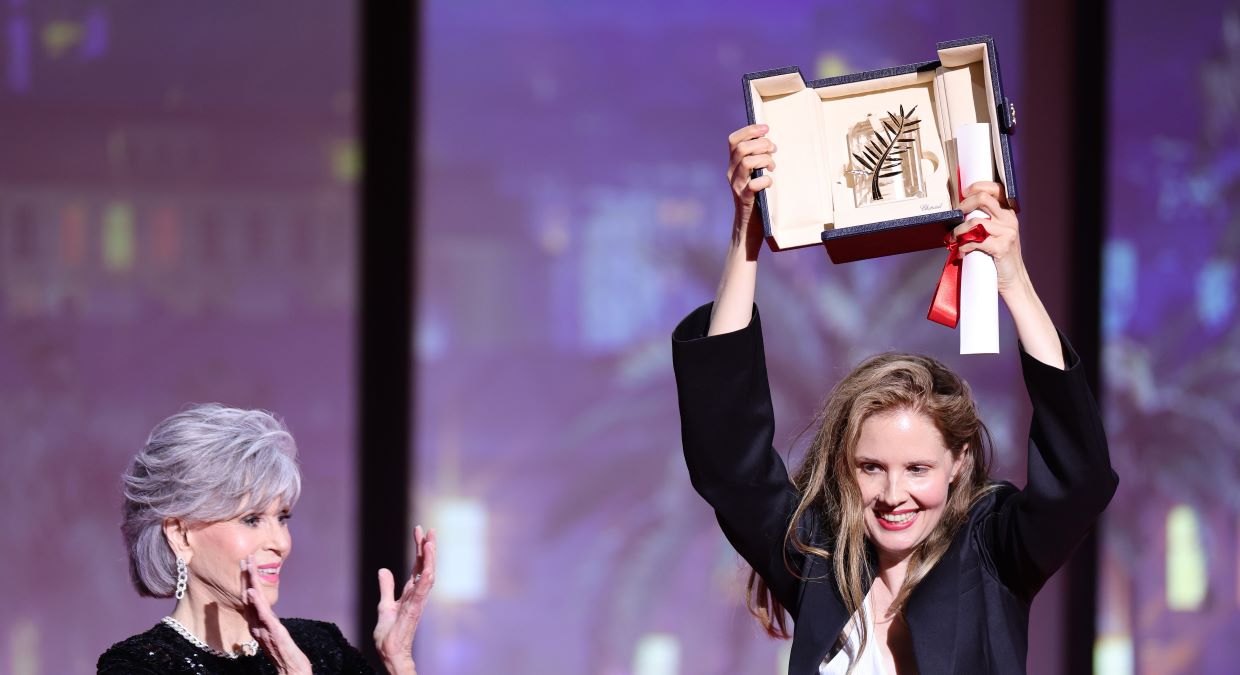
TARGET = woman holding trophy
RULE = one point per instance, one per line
(890, 546)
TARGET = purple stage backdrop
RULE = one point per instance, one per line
(1170, 570)
(176, 225)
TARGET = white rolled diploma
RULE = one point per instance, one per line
(979, 283)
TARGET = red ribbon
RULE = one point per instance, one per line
(945, 308)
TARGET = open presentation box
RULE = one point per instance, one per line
(823, 130)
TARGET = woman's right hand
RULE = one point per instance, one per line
(265, 626)
(749, 149)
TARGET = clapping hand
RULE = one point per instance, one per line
(398, 617)
(267, 629)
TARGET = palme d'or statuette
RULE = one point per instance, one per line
(883, 151)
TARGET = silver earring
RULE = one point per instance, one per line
(182, 577)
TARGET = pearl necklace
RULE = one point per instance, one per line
(247, 648)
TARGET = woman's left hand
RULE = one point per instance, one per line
(398, 618)
(1033, 325)
(1003, 244)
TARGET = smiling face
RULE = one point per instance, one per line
(217, 549)
(904, 471)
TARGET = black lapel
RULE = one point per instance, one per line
(932, 612)
(822, 616)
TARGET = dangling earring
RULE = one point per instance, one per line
(182, 578)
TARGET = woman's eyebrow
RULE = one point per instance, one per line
(914, 462)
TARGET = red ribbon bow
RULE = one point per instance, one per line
(945, 308)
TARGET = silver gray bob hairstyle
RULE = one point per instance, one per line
(205, 464)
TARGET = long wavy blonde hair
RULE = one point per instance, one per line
(828, 487)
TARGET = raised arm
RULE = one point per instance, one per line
(748, 149)
(727, 421)
(727, 426)
(1070, 480)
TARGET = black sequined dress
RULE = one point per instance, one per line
(164, 651)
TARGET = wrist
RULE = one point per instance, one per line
(1018, 288)
(399, 666)
(1021, 300)
(397, 659)
(747, 231)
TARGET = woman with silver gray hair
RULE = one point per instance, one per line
(207, 503)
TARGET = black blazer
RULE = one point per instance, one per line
(971, 612)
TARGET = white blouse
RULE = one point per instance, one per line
(869, 662)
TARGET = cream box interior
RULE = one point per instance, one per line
(813, 196)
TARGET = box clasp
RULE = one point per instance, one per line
(1007, 116)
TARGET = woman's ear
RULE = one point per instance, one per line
(177, 535)
(958, 462)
